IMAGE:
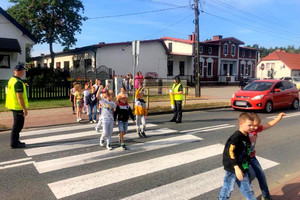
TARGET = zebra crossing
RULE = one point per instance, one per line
(67, 150)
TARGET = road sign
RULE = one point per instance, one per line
(262, 66)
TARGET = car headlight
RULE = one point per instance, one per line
(233, 95)
(258, 97)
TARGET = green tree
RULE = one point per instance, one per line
(50, 21)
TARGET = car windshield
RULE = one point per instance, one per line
(258, 86)
(297, 79)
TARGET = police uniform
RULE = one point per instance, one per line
(16, 85)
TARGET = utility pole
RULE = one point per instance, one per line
(196, 51)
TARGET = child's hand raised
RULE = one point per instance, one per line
(280, 115)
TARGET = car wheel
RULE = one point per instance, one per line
(269, 107)
(295, 104)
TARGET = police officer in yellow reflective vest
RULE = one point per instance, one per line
(177, 91)
(17, 102)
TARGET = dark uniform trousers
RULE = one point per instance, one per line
(177, 110)
(17, 127)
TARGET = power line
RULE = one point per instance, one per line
(138, 13)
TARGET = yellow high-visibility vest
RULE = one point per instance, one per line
(11, 96)
(177, 97)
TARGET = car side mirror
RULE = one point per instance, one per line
(277, 90)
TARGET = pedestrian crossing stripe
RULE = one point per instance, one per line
(287, 115)
(72, 161)
(71, 186)
(69, 135)
(192, 187)
(209, 128)
(90, 142)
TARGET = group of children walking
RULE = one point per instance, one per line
(111, 112)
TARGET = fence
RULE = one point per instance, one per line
(42, 92)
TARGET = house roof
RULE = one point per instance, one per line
(291, 60)
(10, 45)
(178, 40)
(19, 26)
(225, 40)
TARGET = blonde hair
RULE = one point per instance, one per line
(110, 92)
(245, 116)
(77, 87)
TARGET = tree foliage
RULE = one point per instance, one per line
(266, 51)
(50, 21)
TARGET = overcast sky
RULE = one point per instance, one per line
(268, 23)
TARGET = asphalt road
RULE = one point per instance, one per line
(176, 161)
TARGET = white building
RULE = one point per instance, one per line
(14, 39)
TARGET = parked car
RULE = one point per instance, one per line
(246, 81)
(295, 80)
(266, 95)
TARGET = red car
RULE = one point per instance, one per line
(266, 95)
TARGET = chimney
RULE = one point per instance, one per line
(192, 37)
(277, 50)
(217, 37)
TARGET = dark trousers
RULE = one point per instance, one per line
(177, 110)
(72, 100)
(17, 127)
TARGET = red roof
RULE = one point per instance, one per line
(291, 60)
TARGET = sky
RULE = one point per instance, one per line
(268, 23)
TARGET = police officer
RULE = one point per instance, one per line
(177, 91)
(17, 102)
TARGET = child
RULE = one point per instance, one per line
(122, 91)
(72, 92)
(140, 112)
(92, 103)
(86, 92)
(78, 97)
(255, 169)
(107, 117)
(122, 113)
(236, 157)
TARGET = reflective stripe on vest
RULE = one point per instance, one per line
(11, 96)
(177, 97)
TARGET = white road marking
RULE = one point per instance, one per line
(68, 128)
(71, 186)
(87, 143)
(16, 165)
(206, 129)
(193, 186)
(70, 136)
(71, 161)
(287, 115)
(15, 161)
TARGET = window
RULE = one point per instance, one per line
(181, 68)
(209, 50)
(87, 63)
(4, 61)
(57, 64)
(76, 63)
(231, 69)
(248, 72)
(225, 49)
(242, 68)
(170, 68)
(170, 47)
(225, 70)
(201, 49)
(66, 65)
(250, 54)
(201, 69)
(243, 53)
(232, 50)
(209, 69)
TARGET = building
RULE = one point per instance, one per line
(221, 59)
(14, 39)
(279, 64)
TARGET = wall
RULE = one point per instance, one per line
(8, 30)
(279, 68)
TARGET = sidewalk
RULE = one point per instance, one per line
(284, 190)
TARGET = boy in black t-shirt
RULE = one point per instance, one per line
(236, 157)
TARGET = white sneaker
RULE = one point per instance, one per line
(108, 147)
(97, 129)
(94, 121)
(91, 122)
(78, 120)
(101, 143)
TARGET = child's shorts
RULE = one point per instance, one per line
(78, 104)
(123, 126)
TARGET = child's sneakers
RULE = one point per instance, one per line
(139, 134)
(108, 147)
(97, 129)
(91, 122)
(101, 143)
(143, 134)
(123, 146)
(94, 121)
(119, 138)
(78, 120)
